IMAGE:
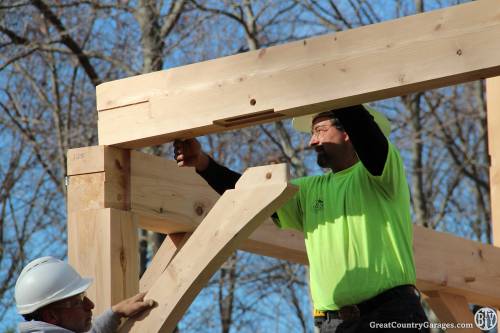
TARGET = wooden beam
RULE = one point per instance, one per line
(94, 159)
(393, 58)
(169, 199)
(493, 106)
(102, 238)
(456, 265)
(98, 177)
(444, 262)
(235, 215)
(493, 117)
(270, 241)
(96, 190)
(102, 244)
(167, 251)
(450, 308)
(160, 191)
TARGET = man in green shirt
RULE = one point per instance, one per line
(355, 219)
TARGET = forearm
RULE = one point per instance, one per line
(368, 140)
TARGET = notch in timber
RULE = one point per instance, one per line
(250, 119)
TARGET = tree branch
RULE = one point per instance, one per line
(68, 41)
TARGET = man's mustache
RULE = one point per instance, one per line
(318, 148)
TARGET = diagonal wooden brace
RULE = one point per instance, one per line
(167, 251)
(258, 193)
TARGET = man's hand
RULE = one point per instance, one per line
(132, 306)
(188, 153)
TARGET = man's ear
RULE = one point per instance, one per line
(346, 136)
(49, 316)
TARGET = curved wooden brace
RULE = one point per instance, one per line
(258, 193)
(167, 251)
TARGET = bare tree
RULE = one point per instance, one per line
(54, 53)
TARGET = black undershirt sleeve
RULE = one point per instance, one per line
(219, 177)
(368, 140)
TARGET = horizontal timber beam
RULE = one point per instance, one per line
(393, 58)
(169, 199)
(444, 262)
(456, 265)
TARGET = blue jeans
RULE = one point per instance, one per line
(401, 313)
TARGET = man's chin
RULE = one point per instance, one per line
(88, 324)
(322, 161)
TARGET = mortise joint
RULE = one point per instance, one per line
(269, 175)
(469, 279)
(253, 102)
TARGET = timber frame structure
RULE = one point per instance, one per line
(113, 190)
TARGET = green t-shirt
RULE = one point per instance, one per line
(357, 231)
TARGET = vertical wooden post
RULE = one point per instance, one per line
(102, 236)
(493, 116)
(493, 105)
(450, 308)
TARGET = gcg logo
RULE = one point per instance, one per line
(486, 319)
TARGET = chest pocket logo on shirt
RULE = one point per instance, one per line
(318, 205)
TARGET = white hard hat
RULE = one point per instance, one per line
(304, 123)
(47, 280)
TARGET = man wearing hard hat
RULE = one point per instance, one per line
(355, 219)
(50, 295)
